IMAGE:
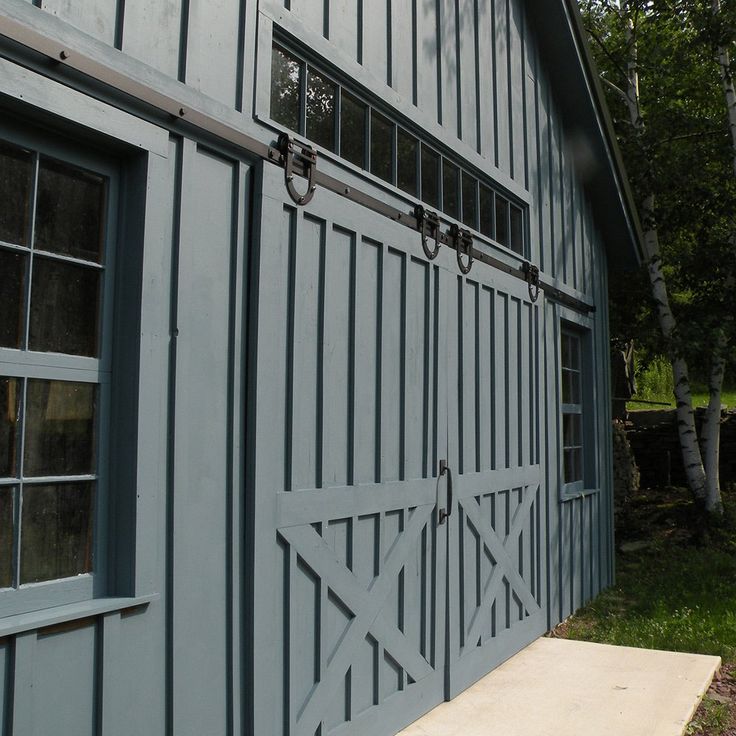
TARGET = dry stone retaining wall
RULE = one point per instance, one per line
(655, 444)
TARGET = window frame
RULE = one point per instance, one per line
(582, 330)
(575, 409)
(308, 60)
(127, 523)
(27, 364)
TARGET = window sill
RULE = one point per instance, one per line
(575, 495)
(22, 622)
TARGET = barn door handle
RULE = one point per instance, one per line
(444, 513)
(307, 156)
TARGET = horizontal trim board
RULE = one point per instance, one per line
(18, 32)
(471, 484)
(61, 614)
(304, 507)
(51, 97)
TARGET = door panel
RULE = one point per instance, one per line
(372, 365)
(496, 545)
(349, 426)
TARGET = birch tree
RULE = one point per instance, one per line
(660, 72)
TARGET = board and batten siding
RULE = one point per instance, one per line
(172, 666)
(468, 73)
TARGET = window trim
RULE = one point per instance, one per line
(128, 520)
(574, 409)
(582, 328)
(27, 364)
(307, 59)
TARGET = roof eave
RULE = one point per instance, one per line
(563, 45)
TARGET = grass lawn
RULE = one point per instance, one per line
(675, 590)
(700, 398)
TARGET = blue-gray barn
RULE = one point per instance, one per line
(304, 387)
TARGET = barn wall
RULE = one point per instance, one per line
(468, 73)
(171, 665)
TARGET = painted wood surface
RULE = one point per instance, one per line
(460, 69)
(333, 434)
(497, 549)
(348, 399)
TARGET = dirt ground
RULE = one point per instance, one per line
(722, 691)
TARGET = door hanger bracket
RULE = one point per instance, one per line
(463, 240)
(428, 224)
(531, 273)
(291, 152)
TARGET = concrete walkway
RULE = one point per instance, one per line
(557, 687)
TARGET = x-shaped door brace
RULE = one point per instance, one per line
(366, 606)
(505, 566)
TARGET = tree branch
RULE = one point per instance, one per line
(605, 50)
(687, 136)
(615, 88)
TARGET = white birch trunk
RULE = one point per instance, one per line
(691, 457)
(711, 430)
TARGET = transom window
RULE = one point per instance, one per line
(307, 101)
(54, 367)
(572, 409)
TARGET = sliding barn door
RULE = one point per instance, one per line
(349, 422)
(496, 548)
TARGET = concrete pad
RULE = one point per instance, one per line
(557, 687)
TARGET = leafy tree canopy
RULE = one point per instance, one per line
(684, 158)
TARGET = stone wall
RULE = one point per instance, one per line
(625, 470)
(654, 441)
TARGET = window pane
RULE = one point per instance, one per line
(573, 465)
(286, 72)
(9, 399)
(408, 147)
(381, 147)
(570, 387)
(6, 537)
(450, 186)
(60, 428)
(502, 221)
(517, 230)
(352, 130)
(566, 351)
(321, 95)
(486, 211)
(64, 308)
(70, 213)
(470, 207)
(574, 352)
(16, 182)
(56, 531)
(430, 177)
(572, 430)
(12, 279)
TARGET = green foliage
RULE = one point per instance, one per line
(682, 601)
(678, 594)
(700, 399)
(713, 719)
(654, 382)
(683, 158)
